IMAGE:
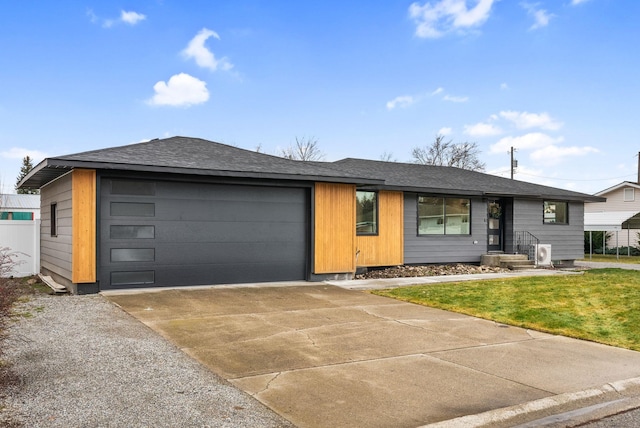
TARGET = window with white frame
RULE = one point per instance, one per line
(629, 194)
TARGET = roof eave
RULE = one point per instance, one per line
(52, 168)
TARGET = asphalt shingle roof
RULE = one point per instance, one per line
(185, 155)
(450, 180)
(195, 156)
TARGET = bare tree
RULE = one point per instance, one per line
(446, 153)
(305, 149)
(388, 157)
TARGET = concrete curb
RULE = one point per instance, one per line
(562, 410)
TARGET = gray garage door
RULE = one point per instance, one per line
(157, 233)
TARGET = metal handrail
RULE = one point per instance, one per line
(524, 242)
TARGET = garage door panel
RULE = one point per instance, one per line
(223, 193)
(202, 234)
(192, 275)
(230, 232)
(247, 253)
(227, 211)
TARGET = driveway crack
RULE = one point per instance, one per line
(266, 387)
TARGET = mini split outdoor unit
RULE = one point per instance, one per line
(543, 254)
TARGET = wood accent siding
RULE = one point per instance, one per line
(567, 240)
(55, 251)
(334, 228)
(83, 191)
(387, 248)
(444, 248)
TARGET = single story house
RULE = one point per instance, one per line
(187, 211)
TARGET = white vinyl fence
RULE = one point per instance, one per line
(22, 236)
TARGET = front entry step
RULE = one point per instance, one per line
(508, 261)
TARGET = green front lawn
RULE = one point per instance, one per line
(609, 258)
(603, 305)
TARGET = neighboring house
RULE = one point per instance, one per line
(19, 231)
(19, 207)
(620, 214)
(186, 211)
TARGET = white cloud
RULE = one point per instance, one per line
(525, 120)
(504, 86)
(445, 131)
(20, 153)
(455, 99)
(444, 16)
(131, 18)
(577, 2)
(126, 17)
(437, 91)
(533, 140)
(482, 130)
(203, 56)
(402, 102)
(181, 90)
(92, 16)
(540, 16)
(552, 154)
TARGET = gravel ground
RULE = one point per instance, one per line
(410, 271)
(83, 362)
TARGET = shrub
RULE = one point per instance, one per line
(623, 251)
(596, 240)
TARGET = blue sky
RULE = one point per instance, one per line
(557, 79)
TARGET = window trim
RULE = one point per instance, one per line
(556, 223)
(54, 219)
(624, 194)
(377, 213)
(444, 216)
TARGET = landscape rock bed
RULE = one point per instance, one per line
(408, 271)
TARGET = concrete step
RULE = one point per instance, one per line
(498, 259)
(519, 265)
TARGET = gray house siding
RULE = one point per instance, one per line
(55, 251)
(444, 249)
(567, 240)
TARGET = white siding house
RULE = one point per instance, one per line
(616, 214)
(20, 231)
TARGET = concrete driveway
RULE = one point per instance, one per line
(321, 355)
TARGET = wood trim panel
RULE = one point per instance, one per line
(83, 235)
(387, 248)
(335, 228)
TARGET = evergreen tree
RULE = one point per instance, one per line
(27, 166)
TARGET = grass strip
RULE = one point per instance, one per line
(603, 305)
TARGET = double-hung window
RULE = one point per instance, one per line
(443, 216)
(366, 213)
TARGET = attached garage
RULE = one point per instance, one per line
(162, 233)
(178, 212)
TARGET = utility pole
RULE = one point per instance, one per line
(514, 163)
